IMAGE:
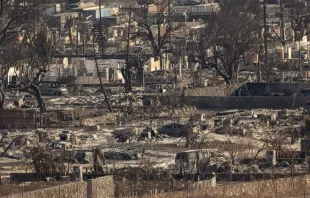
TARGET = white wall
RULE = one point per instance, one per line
(104, 66)
(12, 72)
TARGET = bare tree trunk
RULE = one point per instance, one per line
(159, 40)
(37, 93)
(127, 77)
(265, 34)
(194, 77)
(299, 57)
(161, 62)
(282, 30)
(226, 79)
(102, 87)
(40, 100)
(129, 81)
(2, 98)
(258, 151)
(236, 74)
(259, 73)
(141, 75)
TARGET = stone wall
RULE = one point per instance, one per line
(285, 187)
(101, 187)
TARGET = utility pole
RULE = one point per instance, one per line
(265, 35)
(169, 24)
(128, 85)
(84, 38)
(100, 28)
(159, 15)
(282, 25)
(96, 62)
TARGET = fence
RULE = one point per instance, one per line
(97, 188)
(285, 187)
(140, 188)
(16, 118)
(105, 188)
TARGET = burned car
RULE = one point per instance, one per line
(173, 129)
(120, 154)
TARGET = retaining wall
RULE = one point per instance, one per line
(235, 102)
(259, 89)
(250, 102)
